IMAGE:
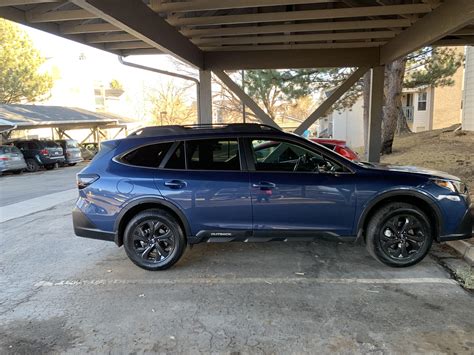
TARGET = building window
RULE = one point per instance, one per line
(422, 101)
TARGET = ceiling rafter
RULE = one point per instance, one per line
(296, 38)
(298, 27)
(302, 15)
(206, 5)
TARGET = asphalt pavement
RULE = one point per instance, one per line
(64, 294)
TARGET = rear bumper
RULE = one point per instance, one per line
(83, 227)
(51, 160)
(73, 160)
(9, 166)
(465, 229)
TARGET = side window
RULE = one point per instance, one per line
(213, 154)
(422, 97)
(148, 156)
(176, 160)
(279, 155)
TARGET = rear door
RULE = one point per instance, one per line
(206, 178)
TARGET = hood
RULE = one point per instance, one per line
(414, 169)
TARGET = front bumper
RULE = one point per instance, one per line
(83, 227)
(465, 229)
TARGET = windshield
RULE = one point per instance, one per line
(72, 144)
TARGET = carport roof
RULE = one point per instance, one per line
(37, 116)
(243, 34)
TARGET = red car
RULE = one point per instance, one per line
(339, 146)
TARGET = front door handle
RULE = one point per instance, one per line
(264, 185)
(175, 184)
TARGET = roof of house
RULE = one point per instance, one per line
(39, 116)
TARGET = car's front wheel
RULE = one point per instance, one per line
(399, 235)
(154, 240)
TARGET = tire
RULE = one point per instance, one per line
(32, 165)
(399, 235)
(158, 253)
(72, 164)
(17, 172)
(50, 166)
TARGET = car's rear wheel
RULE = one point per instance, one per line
(154, 240)
(72, 164)
(399, 235)
(32, 165)
(50, 166)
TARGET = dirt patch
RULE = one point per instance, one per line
(36, 337)
(444, 149)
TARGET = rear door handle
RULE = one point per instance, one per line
(264, 185)
(175, 184)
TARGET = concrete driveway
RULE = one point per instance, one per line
(60, 293)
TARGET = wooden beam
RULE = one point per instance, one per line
(464, 41)
(144, 51)
(137, 19)
(205, 5)
(18, 16)
(127, 45)
(346, 45)
(247, 100)
(67, 28)
(61, 15)
(447, 18)
(344, 36)
(374, 144)
(302, 15)
(298, 58)
(333, 97)
(23, 2)
(300, 27)
(109, 38)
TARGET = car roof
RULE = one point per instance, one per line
(186, 130)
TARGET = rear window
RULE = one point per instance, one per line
(148, 156)
(51, 144)
(213, 154)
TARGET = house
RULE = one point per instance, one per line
(425, 108)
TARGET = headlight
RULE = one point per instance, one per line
(453, 185)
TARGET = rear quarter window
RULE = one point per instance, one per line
(149, 156)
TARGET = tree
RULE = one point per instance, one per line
(20, 79)
(169, 105)
(427, 67)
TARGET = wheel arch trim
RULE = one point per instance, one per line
(159, 201)
(401, 193)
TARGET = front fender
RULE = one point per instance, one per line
(400, 192)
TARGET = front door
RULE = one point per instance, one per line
(210, 186)
(297, 190)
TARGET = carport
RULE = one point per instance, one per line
(215, 36)
(60, 120)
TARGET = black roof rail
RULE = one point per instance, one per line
(197, 128)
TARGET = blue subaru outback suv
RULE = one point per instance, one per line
(165, 187)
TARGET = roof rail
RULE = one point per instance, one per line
(195, 128)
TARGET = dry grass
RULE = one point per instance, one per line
(445, 150)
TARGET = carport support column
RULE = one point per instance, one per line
(205, 97)
(375, 114)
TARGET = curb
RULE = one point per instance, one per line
(464, 248)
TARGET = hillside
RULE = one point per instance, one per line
(445, 150)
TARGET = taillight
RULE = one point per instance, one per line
(4, 158)
(44, 152)
(84, 180)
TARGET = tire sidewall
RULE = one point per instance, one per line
(170, 221)
(32, 166)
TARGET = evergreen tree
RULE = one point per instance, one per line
(20, 80)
